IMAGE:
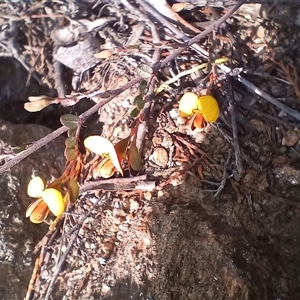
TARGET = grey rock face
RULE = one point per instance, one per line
(18, 236)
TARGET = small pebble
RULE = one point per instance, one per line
(290, 138)
(174, 113)
(160, 157)
(105, 289)
(148, 196)
(249, 178)
(260, 32)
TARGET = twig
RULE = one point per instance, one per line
(236, 144)
(36, 270)
(143, 17)
(115, 184)
(143, 126)
(182, 20)
(185, 73)
(291, 75)
(255, 190)
(270, 99)
(136, 34)
(59, 266)
(224, 178)
(35, 146)
(33, 279)
(160, 18)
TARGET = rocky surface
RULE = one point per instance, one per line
(18, 236)
(206, 232)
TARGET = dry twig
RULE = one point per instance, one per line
(224, 177)
(236, 144)
(118, 184)
(59, 265)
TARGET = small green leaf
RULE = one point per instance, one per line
(140, 104)
(71, 153)
(70, 142)
(137, 98)
(72, 132)
(134, 113)
(144, 71)
(143, 87)
(70, 121)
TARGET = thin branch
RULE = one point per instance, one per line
(35, 146)
(224, 177)
(236, 144)
(143, 17)
(59, 265)
(120, 184)
(270, 99)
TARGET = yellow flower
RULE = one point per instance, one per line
(49, 199)
(187, 104)
(208, 108)
(203, 108)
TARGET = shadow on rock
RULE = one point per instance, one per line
(211, 248)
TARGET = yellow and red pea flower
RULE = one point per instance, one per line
(199, 108)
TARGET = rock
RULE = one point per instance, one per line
(160, 157)
(18, 236)
(288, 174)
(290, 138)
(13, 77)
(15, 91)
(79, 57)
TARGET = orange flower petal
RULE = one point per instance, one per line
(37, 211)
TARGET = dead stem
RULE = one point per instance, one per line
(59, 265)
(120, 184)
(236, 144)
